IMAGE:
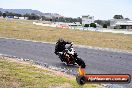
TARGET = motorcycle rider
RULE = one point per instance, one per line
(62, 51)
(60, 47)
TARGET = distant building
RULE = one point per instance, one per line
(67, 25)
(10, 16)
(121, 24)
(23, 18)
(74, 24)
(87, 19)
(16, 17)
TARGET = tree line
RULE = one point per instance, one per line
(10, 14)
(33, 16)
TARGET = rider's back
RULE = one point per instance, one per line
(60, 46)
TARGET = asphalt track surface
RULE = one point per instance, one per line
(97, 61)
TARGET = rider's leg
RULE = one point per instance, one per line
(61, 56)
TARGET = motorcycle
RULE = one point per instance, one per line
(70, 57)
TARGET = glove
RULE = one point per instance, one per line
(56, 53)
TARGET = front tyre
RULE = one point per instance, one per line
(81, 80)
(80, 62)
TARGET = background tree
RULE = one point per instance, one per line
(4, 15)
(118, 17)
(127, 19)
(105, 26)
(86, 25)
(102, 22)
(11, 14)
(79, 20)
(93, 25)
(18, 15)
(26, 15)
(0, 13)
(43, 18)
(33, 17)
(61, 19)
(8, 13)
(68, 19)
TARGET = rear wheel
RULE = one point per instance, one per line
(80, 62)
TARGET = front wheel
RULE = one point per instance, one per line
(80, 62)
(81, 80)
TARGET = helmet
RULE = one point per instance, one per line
(60, 40)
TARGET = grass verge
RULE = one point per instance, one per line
(26, 30)
(16, 74)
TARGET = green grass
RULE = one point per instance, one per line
(19, 75)
(26, 30)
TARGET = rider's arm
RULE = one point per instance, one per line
(56, 48)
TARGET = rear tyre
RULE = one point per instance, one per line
(80, 62)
